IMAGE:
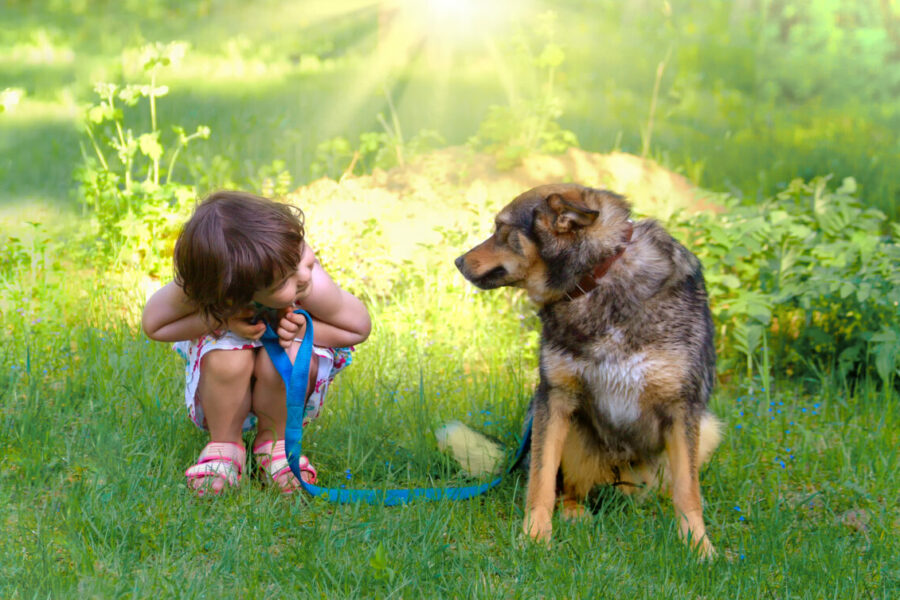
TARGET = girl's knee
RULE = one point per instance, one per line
(229, 365)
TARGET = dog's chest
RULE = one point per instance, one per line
(614, 385)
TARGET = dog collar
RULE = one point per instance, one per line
(592, 279)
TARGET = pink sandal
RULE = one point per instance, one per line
(219, 463)
(274, 466)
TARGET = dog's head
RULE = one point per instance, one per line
(547, 239)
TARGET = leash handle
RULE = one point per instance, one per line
(296, 379)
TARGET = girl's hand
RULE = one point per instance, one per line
(291, 326)
(240, 324)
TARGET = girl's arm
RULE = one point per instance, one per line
(341, 319)
(170, 317)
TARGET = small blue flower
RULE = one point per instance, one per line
(737, 508)
(737, 427)
(741, 518)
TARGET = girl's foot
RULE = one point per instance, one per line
(220, 464)
(272, 460)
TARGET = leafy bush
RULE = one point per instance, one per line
(813, 270)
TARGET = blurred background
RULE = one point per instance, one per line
(740, 97)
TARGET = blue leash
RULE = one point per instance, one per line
(295, 381)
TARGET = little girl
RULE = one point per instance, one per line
(237, 255)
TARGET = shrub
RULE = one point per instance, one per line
(812, 269)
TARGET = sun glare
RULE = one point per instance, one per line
(438, 35)
(459, 21)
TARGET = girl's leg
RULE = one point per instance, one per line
(224, 392)
(268, 397)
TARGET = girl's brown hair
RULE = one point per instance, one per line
(234, 245)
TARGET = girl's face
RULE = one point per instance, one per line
(292, 287)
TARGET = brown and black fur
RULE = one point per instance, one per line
(626, 369)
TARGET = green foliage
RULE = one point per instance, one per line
(134, 222)
(273, 180)
(31, 271)
(336, 158)
(528, 123)
(812, 269)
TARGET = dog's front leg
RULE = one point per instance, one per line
(551, 426)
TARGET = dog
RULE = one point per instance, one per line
(627, 359)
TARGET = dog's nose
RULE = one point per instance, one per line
(459, 263)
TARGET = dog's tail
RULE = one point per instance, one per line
(710, 436)
(477, 454)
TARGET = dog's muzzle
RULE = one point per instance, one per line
(488, 281)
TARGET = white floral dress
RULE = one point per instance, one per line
(331, 362)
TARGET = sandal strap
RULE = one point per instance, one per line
(273, 459)
(219, 459)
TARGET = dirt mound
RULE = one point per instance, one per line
(456, 189)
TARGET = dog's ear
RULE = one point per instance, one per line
(570, 215)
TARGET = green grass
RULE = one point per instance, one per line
(801, 497)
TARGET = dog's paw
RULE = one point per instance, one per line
(572, 510)
(537, 526)
(705, 550)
